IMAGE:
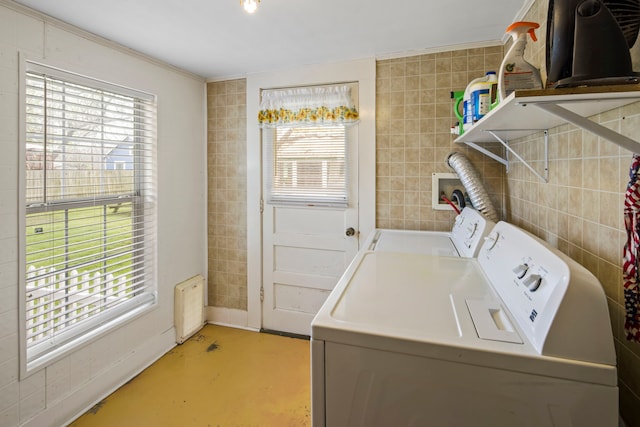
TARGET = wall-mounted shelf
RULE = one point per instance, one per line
(529, 111)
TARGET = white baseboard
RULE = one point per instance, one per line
(229, 317)
(81, 400)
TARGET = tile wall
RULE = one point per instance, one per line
(227, 188)
(580, 209)
(414, 114)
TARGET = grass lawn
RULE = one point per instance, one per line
(91, 234)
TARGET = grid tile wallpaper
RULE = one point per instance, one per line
(580, 210)
(227, 187)
(414, 114)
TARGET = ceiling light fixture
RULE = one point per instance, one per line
(250, 5)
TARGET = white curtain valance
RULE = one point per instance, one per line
(319, 105)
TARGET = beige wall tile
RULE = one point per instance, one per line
(419, 147)
(227, 193)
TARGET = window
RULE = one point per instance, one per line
(306, 143)
(89, 227)
(307, 165)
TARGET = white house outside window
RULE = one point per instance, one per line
(89, 228)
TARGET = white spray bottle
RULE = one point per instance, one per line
(515, 71)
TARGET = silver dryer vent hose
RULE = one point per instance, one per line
(471, 180)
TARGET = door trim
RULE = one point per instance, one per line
(361, 71)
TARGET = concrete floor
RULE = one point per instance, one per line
(219, 377)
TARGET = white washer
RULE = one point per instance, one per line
(467, 234)
(519, 336)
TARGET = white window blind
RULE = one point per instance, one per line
(90, 215)
(307, 165)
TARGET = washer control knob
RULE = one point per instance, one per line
(472, 230)
(492, 240)
(521, 270)
(533, 282)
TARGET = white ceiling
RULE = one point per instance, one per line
(216, 39)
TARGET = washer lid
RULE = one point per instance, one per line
(415, 242)
(409, 295)
(464, 239)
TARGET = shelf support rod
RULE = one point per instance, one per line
(505, 144)
(591, 126)
(487, 153)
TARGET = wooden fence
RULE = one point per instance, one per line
(77, 183)
(56, 300)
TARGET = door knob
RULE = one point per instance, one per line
(350, 232)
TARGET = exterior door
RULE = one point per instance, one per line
(306, 248)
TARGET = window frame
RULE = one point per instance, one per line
(142, 198)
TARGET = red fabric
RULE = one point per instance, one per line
(631, 253)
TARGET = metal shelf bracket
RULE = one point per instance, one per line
(505, 161)
(589, 125)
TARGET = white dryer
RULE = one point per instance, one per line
(465, 238)
(519, 336)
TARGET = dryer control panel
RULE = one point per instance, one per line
(469, 230)
(528, 276)
(558, 304)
